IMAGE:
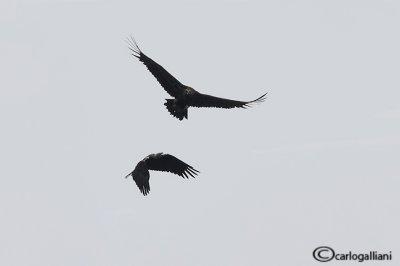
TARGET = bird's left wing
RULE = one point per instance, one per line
(169, 163)
(166, 80)
(141, 177)
(142, 183)
(204, 100)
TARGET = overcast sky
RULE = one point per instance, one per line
(316, 164)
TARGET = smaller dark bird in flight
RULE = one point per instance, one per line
(184, 96)
(159, 162)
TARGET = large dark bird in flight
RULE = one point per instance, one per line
(159, 162)
(184, 96)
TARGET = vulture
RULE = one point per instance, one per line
(183, 96)
(159, 162)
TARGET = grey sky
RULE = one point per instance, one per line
(315, 164)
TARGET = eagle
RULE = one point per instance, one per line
(159, 162)
(183, 96)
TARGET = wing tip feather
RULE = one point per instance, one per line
(260, 99)
(133, 46)
(191, 171)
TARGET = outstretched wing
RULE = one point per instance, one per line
(167, 81)
(204, 100)
(169, 163)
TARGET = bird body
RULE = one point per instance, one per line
(159, 162)
(184, 96)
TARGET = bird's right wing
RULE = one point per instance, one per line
(166, 80)
(204, 100)
(169, 163)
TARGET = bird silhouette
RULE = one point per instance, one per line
(159, 162)
(184, 96)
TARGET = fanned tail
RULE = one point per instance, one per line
(179, 112)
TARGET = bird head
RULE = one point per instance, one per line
(140, 167)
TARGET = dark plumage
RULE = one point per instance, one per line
(184, 96)
(159, 162)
